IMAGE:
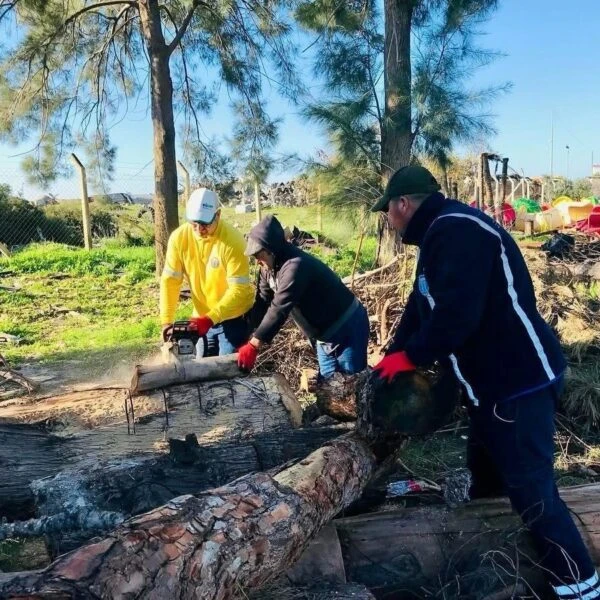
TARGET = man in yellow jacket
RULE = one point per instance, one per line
(210, 254)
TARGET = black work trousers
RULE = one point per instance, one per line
(511, 451)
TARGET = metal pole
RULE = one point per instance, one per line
(568, 150)
(552, 149)
(480, 199)
(85, 203)
(186, 181)
(504, 178)
(257, 201)
(319, 210)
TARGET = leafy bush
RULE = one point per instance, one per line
(69, 218)
(22, 223)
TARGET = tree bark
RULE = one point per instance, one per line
(150, 376)
(396, 137)
(161, 99)
(213, 545)
(91, 498)
(396, 134)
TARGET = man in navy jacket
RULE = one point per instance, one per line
(473, 305)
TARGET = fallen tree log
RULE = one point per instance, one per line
(95, 496)
(481, 546)
(216, 412)
(149, 377)
(213, 545)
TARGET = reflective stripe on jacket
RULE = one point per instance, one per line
(216, 268)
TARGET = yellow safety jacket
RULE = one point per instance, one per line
(216, 268)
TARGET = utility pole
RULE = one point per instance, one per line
(568, 150)
(85, 203)
(552, 150)
(186, 182)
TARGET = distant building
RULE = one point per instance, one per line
(143, 199)
(44, 200)
(117, 198)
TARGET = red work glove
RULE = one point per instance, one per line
(392, 364)
(201, 325)
(247, 356)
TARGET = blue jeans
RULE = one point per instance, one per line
(227, 337)
(346, 352)
(511, 448)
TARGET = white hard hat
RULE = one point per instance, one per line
(202, 206)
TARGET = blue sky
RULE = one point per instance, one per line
(550, 60)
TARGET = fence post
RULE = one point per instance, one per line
(319, 210)
(186, 181)
(85, 203)
(257, 201)
(480, 198)
(504, 179)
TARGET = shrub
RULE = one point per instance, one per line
(22, 223)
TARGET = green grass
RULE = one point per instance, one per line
(102, 306)
(23, 555)
(70, 302)
(341, 228)
(135, 263)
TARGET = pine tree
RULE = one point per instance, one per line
(70, 65)
(397, 87)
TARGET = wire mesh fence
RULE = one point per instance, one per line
(119, 209)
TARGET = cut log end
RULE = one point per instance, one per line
(148, 376)
(336, 396)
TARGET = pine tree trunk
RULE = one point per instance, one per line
(161, 98)
(396, 138)
(396, 135)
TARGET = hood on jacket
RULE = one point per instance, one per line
(266, 235)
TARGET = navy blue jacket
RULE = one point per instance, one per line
(473, 303)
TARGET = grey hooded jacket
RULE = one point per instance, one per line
(301, 286)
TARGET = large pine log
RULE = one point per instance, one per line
(216, 412)
(213, 545)
(95, 496)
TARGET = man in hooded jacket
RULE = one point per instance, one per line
(473, 303)
(292, 282)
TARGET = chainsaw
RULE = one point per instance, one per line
(184, 344)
